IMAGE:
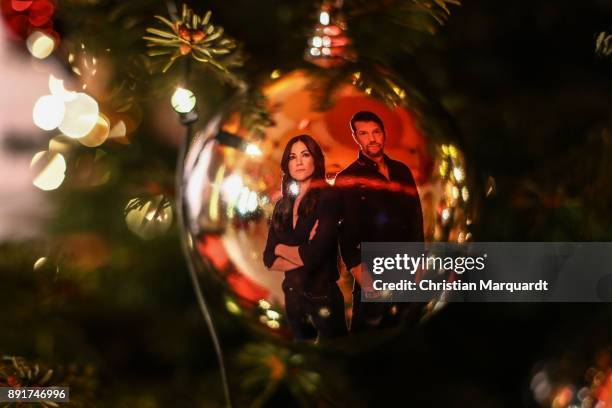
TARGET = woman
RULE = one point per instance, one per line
(302, 243)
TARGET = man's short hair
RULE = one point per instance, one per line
(366, 116)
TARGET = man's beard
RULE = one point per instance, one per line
(377, 153)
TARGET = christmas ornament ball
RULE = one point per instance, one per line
(231, 178)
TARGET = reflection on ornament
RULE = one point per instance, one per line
(465, 194)
(229, 194)
(81, 116)
(183, 100)
(98, 134)
(49, 111)
(252, 149)
(49, 169)
(40, 44)
(231, 188)
(148, 218)
(458, 174)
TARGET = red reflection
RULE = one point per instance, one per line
(249, 292)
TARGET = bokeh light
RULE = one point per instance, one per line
(40, 44)
(148, 218)
(48, 112)
(98, 134)
(183, 100)
(56, 87)
(49, 170)
(81, 116)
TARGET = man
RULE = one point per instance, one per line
(380, 204)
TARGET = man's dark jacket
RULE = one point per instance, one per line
(374, 209)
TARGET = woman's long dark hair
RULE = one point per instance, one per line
(284, 208)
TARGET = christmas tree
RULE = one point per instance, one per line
(98, 293)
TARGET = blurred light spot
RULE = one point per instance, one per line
(56, 86)
(272, 314)
(326, 41)
(49, 111)
(326, 51)
(315, 52)
(455, 192)
(304, 123)
(81, 116)
(316, 41)
(273, 324)
(183, 100)
(275, 74)
(119, 132)
(264, 304)
(452, 151)
(294, 188)
(21, 5)
(563, 397)
(458, 174)
(540, 386)
(148, 219)
(49, 169)
(251, 204)
(491, 186)
(242, 201)
(40, 262)
(253, 150)
(61, 144)
(98, 134)
(263, 319)
(324, 18)
(232, 307)
(324, 312)
(247, 202)
(446, 213)
(40, 44)
(465, 194)
(231, 188)
(443, 168)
